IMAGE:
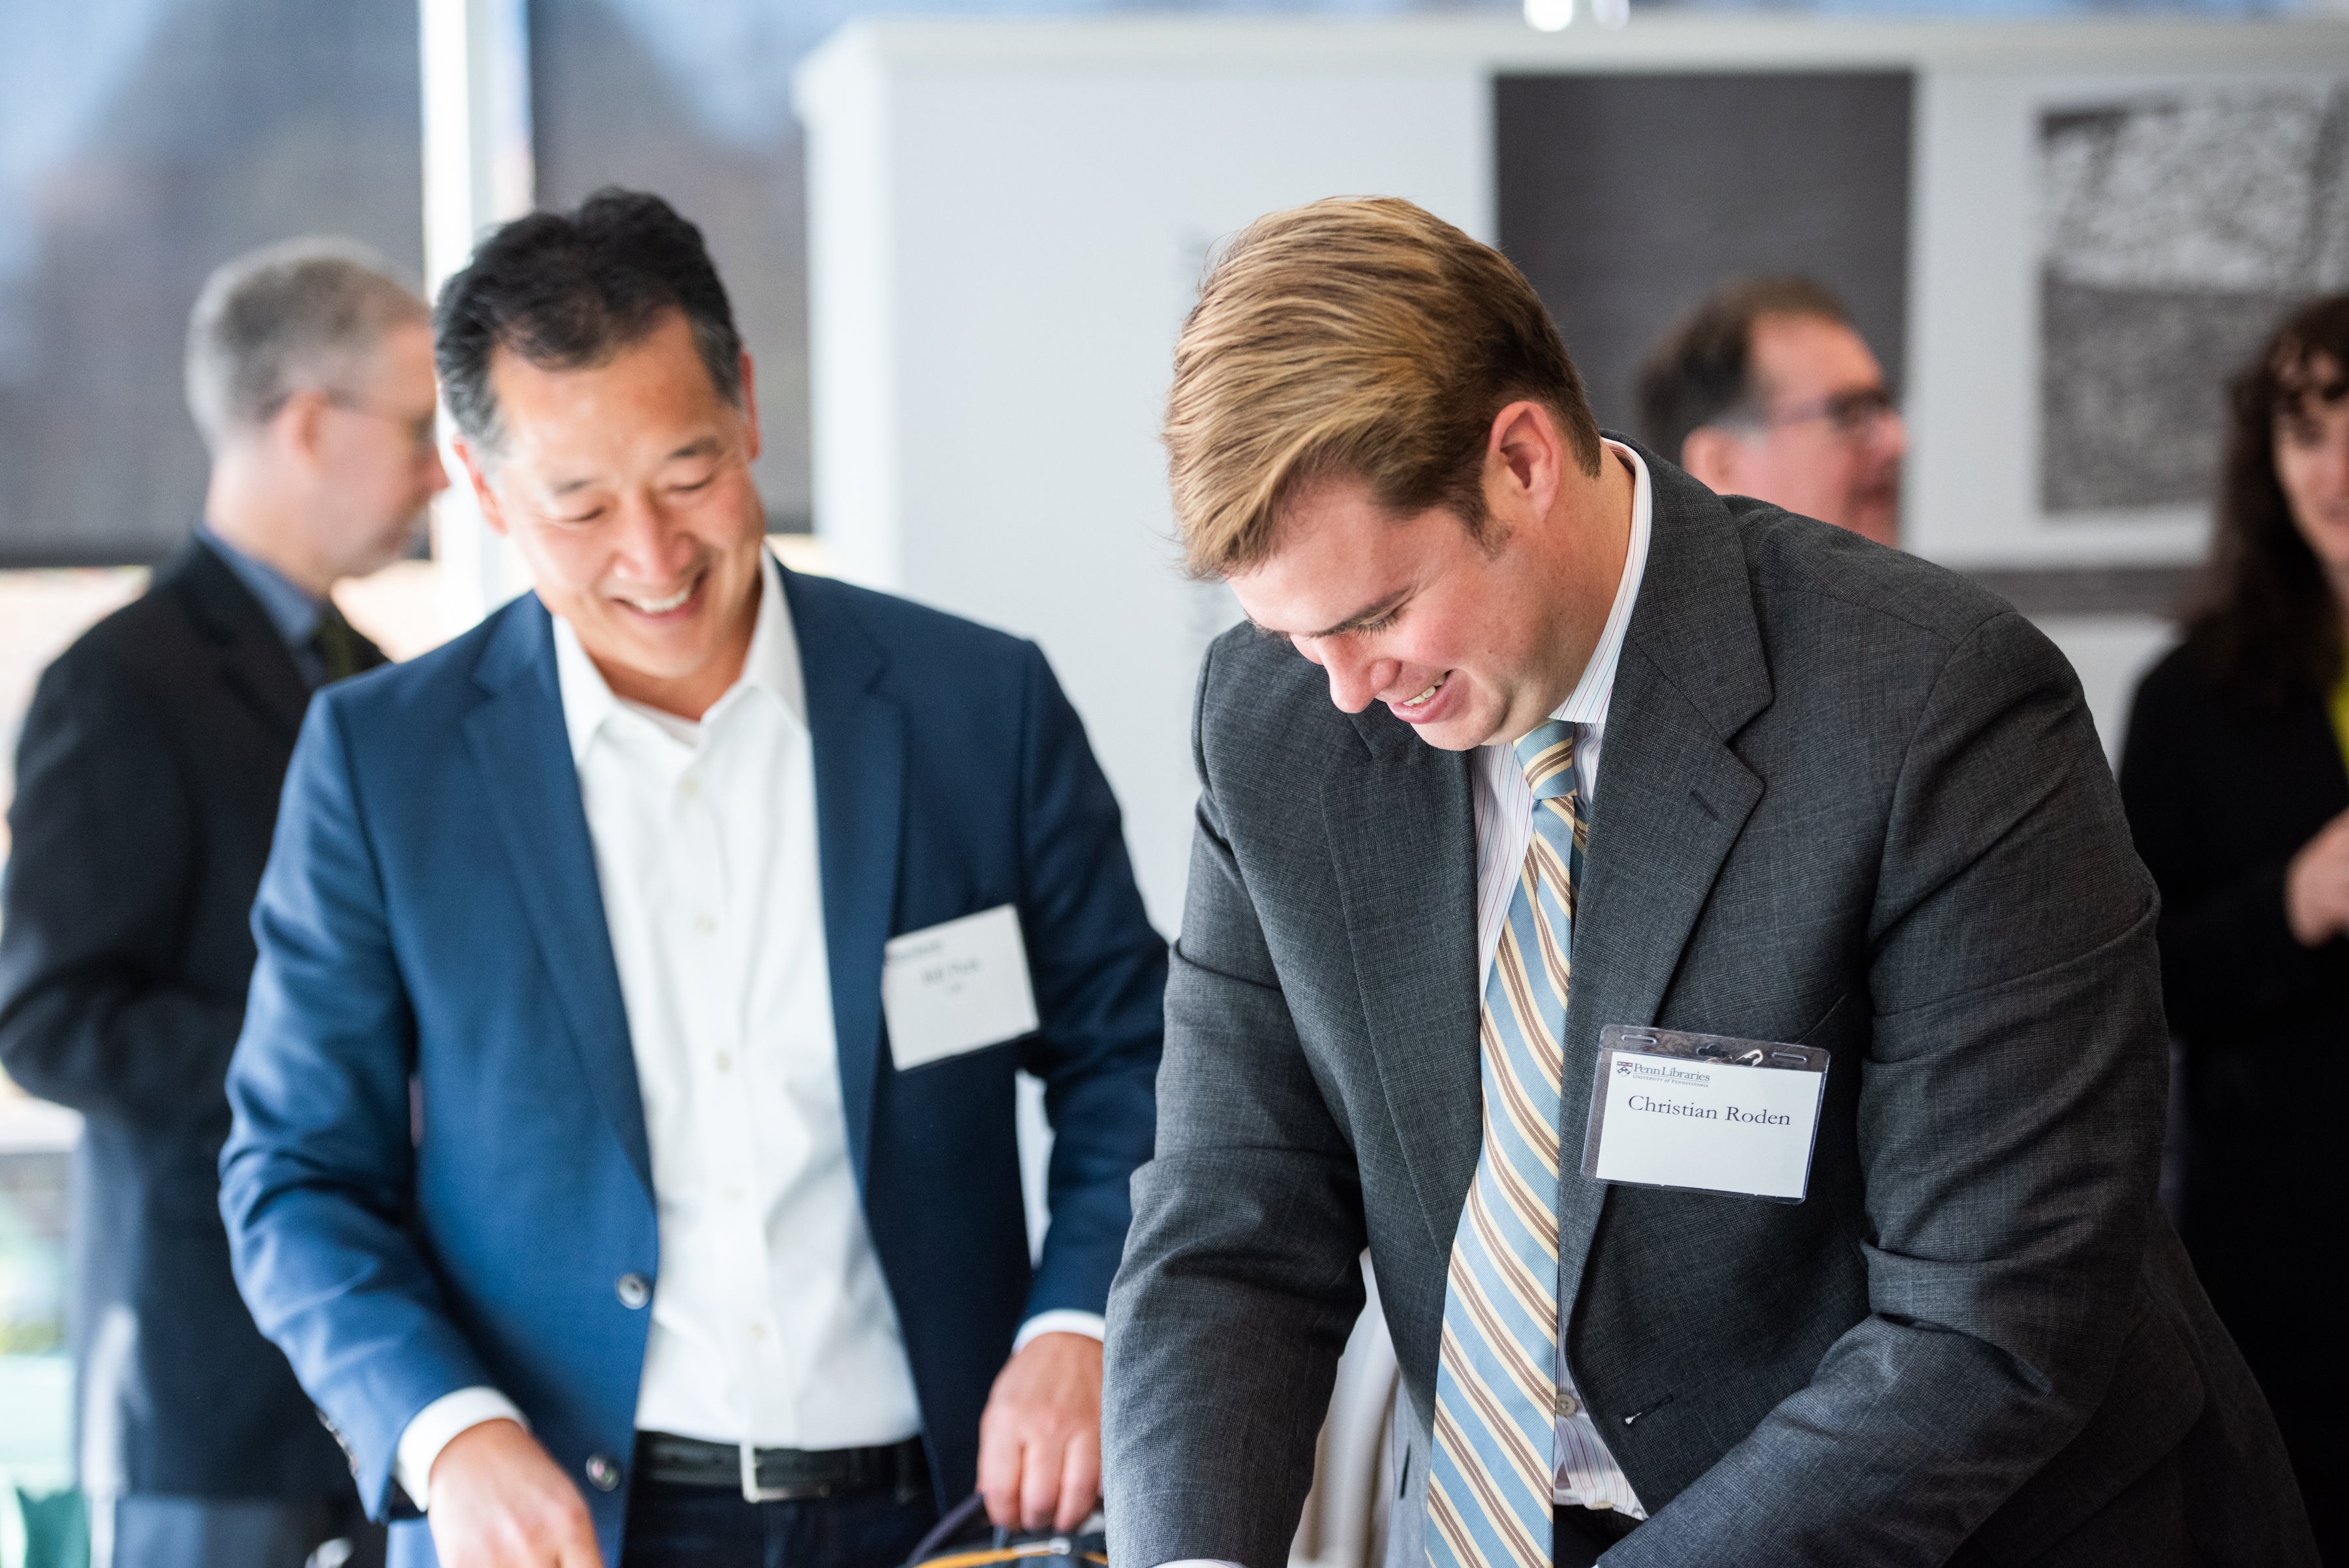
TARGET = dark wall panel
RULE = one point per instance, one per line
(140, 145)
(1627, 198)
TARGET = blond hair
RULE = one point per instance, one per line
(1358, 338)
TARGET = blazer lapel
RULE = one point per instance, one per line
(859, 739)
(1671, 799)
(1411, 918)
(530, 787)
(254, 660)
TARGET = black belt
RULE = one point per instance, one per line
(776, 1475)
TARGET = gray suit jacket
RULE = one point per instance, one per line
(1850, 801)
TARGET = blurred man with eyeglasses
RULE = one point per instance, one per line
(147, 777)
(1766, 390)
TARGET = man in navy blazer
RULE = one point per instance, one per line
(577, 1166)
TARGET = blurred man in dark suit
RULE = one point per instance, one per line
(1766, 389)
(147, 780)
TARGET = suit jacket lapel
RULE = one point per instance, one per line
(530, 787)
(859, 738)
(254, 660)
(1412, 917)
(1671, 799)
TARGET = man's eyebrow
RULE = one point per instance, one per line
(1354, 622)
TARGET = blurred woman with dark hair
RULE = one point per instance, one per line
(2236, 779)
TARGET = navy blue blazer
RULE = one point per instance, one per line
(439, 1171)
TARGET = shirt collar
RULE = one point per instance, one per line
(1588, 701)
(290, 609)
(771, 665)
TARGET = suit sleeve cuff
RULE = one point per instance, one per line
(1060, 1320)
(433, 1429)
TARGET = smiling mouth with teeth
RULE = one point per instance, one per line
(1432, 690)
(662, 606)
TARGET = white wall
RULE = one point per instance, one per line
(1028, 237)
(1008, 221)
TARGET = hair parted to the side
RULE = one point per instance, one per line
(1702, 372)
(570, 290)
(303, 314)
(2263, 607)
(1358, 338)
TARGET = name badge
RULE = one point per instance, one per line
(1705, 1112)
(955, 986)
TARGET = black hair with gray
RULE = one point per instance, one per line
(570, 290)
(1702, 373)
(303, 314)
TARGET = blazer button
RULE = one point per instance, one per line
(602, 1473)
(635, 1290)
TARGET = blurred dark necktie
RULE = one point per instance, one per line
(342, 651)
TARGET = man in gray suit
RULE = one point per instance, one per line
(1589, 746)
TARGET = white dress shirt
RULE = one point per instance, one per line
(1588, 1475)
(771, 1324)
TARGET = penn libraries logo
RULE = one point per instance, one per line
(1654, 1072)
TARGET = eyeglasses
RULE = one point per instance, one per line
(1852, 414)
(423, 430)
(423, 433)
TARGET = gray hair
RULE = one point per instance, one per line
(289, 317)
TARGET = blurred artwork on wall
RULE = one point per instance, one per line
(2176, 229)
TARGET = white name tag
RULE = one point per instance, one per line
(955, 986)
(1704, 1111)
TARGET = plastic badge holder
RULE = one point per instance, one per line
(1717, 1051)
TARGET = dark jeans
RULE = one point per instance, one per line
(708, 1527)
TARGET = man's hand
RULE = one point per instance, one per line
(498, 1502)
(1039, 1437)
(2316, 886)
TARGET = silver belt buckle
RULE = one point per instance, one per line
(752, 1491)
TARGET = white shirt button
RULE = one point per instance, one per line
(757, 1331)
(725, 1063)
(703, 924)
(689, 787)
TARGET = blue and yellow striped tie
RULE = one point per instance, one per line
(1490, 1492)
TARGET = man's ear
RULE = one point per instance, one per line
(477, 470)
(1710, 455)
(750, 407)
(298, 427)
(1525, 458)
